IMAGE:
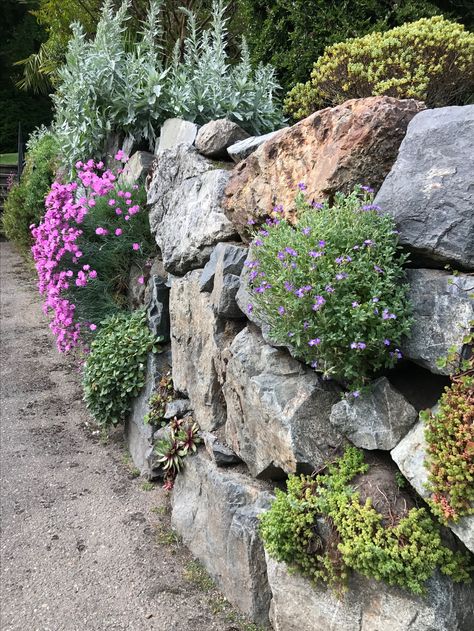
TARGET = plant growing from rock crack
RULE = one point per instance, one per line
(182, 441)
(115, 369)
(331, 286)
(321, 528)
(158, 401)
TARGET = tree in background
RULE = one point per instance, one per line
(20, 35)
(292, 34)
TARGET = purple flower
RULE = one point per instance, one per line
(322, 244)
(375, 299)
(253, 275)
(329, 289)
(290, 334)
(386, 342)
(358, 345)
(386, 315)
(281, 256)
(305, 325)
(306, 231)
(249, 308)
(314, 254)
(278, 209)
(302, 186)
(251, 222)
(371, 207)
(281, 310)
(355, 304)
(341, 276)
(299, 293)
(288, 286)
(258, 242)
(315, 342)
(367, 189)
(356, 247)
(368, 242)
(339, 260)
(355, 394)
(314, 364)
(319, 302)
(316, 205)
(378, 269)
(291, 251)
(264, 233)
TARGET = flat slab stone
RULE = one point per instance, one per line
(369, 605)
(243, 148)
(175, 131)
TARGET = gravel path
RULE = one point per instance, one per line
(84, 545)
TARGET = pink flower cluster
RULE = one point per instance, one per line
(56, 250)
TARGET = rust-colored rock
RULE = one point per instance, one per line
(331, 150)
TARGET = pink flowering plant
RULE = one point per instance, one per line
(332, 286)
(91, 234)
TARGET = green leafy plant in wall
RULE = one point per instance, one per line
(431, 60)
(115, 368)
(331, 286)
(158, 401)
(322, 529)
(182, 440)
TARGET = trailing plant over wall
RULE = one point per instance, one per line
(332, 287)
(109, 84)
(93, 231)
(115, 369)
(25, 202)
(449, 433)
(431, 60)
(322, 529)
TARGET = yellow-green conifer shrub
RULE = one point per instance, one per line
(431, 60)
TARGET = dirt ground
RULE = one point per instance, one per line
(85, 545)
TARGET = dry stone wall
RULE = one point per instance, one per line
(262, 413)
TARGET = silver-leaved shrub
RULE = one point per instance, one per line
(332, 286)
(110, 84)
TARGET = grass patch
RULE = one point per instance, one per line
(196, 574)
(147, 486)
(166, 536)
(8, 158)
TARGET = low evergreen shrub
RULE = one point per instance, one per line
(320, 528)
(332, 286)
(431, 60)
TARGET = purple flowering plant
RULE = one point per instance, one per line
(340, 283)
(84, 247)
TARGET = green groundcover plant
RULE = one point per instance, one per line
(181, 441)
(322, 529)
(431, 60)
(332, 286)
(115, 368)
(25, 202)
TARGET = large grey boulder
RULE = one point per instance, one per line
(378, 419)
(214, 137)
(429, 190)
(184, 195)
(443, 309)
(139, 435)
(198, 339)
(410, 455)
(369, 605)
(243, 148)
(229, 260)
(215, 512)
(136, 168)
(176, 131)
(277, 409)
